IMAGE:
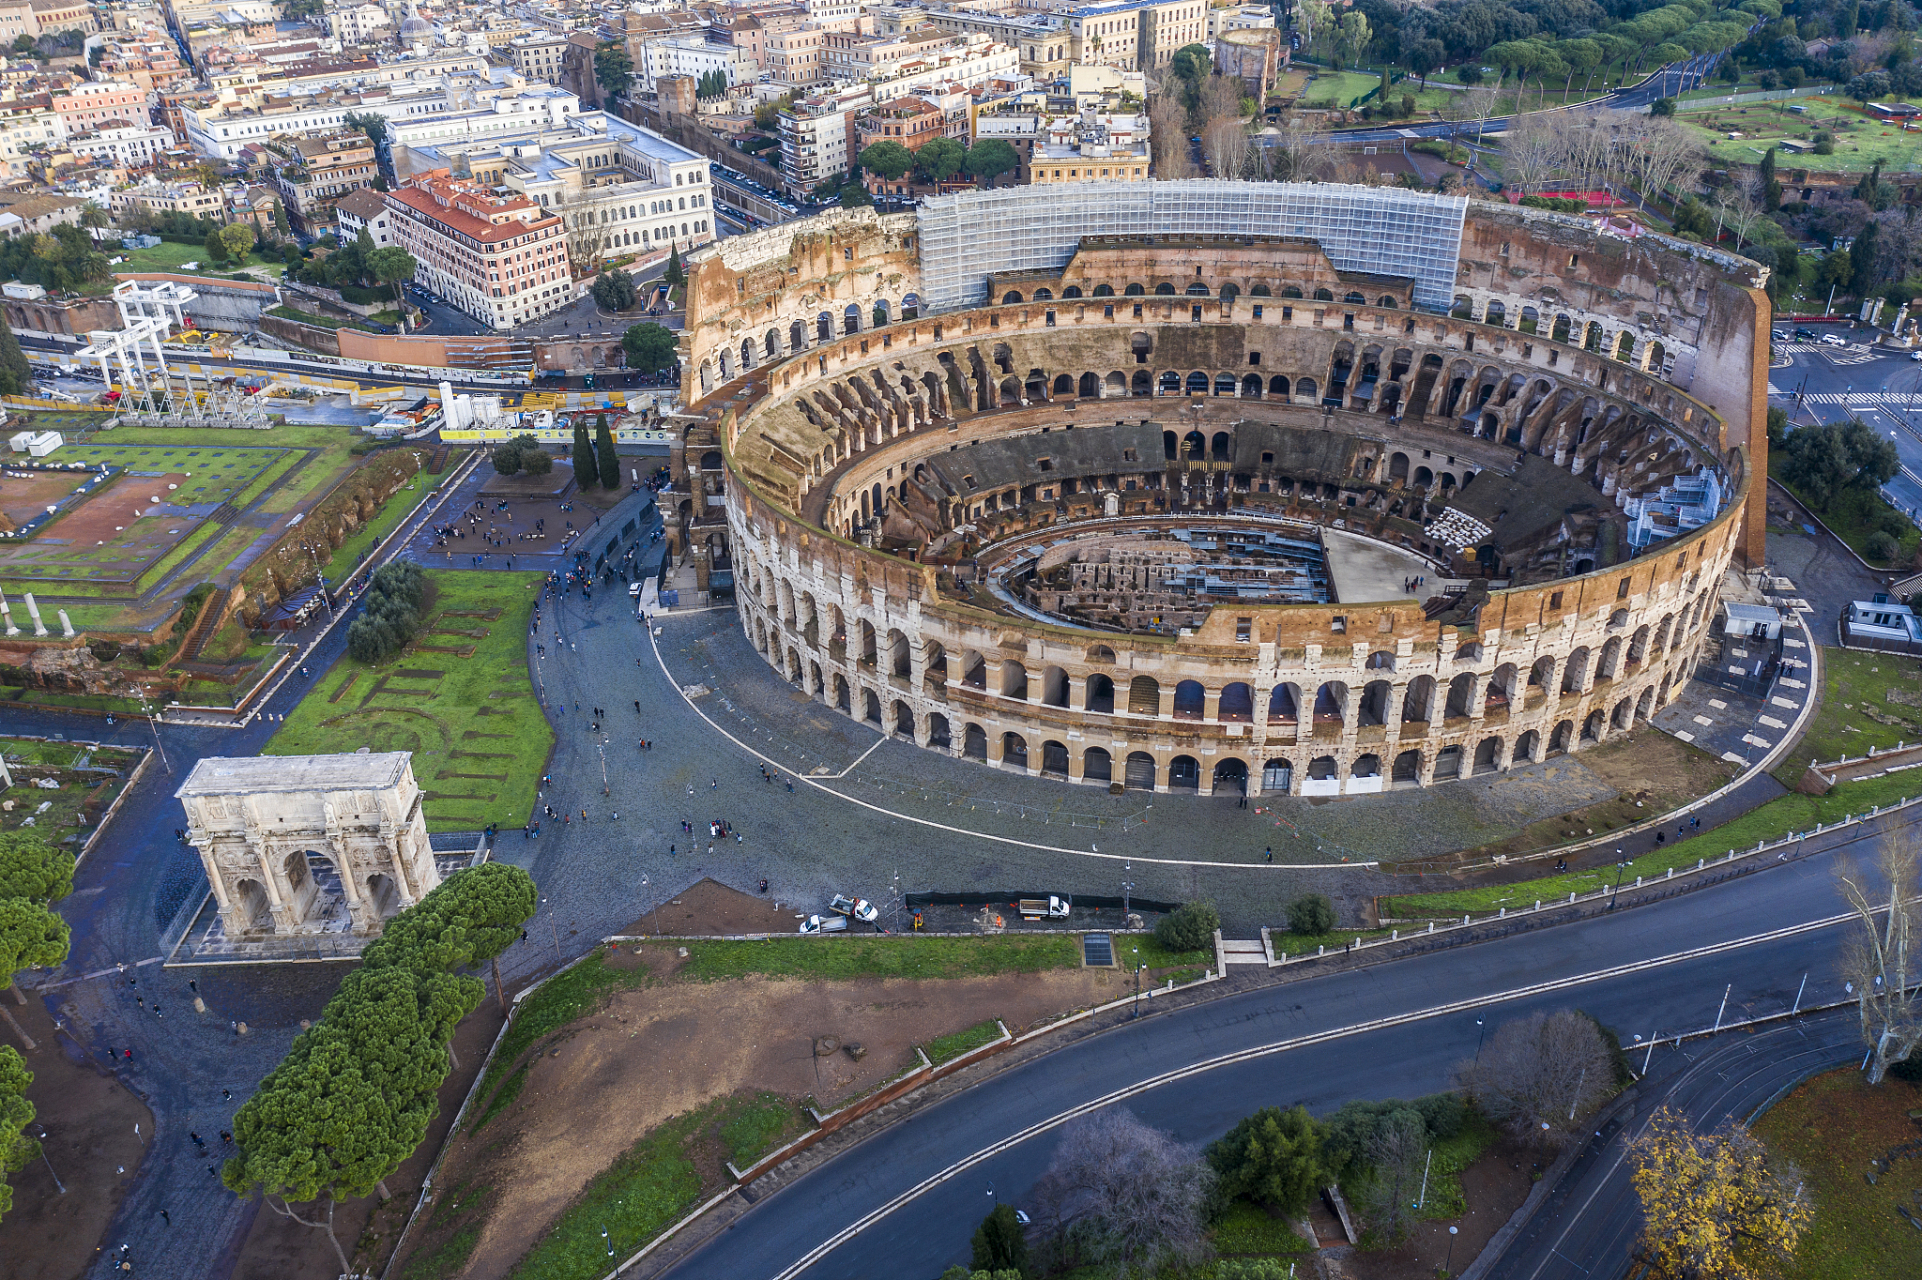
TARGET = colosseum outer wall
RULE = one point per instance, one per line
(1314, 699)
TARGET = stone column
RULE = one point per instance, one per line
(6, 615)
(33, 611)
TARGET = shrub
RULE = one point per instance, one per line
(1189, 927)
(536, 463)
(391, 614)
(1312, 915)
(1000, 1244)
(506, 459)
(1272, 1157)
(1824, 143)
(1881, 546)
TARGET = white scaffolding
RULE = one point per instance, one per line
(134, 357)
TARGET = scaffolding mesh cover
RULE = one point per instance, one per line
(1388, 231)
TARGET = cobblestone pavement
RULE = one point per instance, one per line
(1825, 574)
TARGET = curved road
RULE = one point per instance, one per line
(1394, 1030)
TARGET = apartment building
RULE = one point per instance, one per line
(692, 56)
(1042, 39)
(794, 56)
(98, 103)
(131, 146)
(425, 112)
(359, 24)
(1135, 35)
(500, 259)
(539, 57)
(310, 174)
(154, 196)
(616, 186)
(364, 209)
(913, 122)
(39, 17)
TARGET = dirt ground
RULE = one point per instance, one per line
(708, 909)
(277, 1248)
(27, 494)
(1494, 1187)
(111, 516)
(600, 1084)
(89, 1118)
(1647, 765)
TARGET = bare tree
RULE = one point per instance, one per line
(586, 237)
(1740, 207)
(1480, 103)
(1397, 1151)
(1541, 1075)
(1876, 957)
(1225, 143)
(1301, 154)
(1220, 97)
(1536, 146)
(1168, 136)
(1118, 1192)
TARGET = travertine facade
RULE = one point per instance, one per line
(871, 474)
(271, 829)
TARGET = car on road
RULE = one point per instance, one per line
(1834, 340)
(1805, 335)
(823, 924)
(1780, 335)
(1915, 355)
(860, 908)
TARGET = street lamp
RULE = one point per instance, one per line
(1621, 865)
(1139, 970)
(1481, 1034)
(153, 722)
(555, 929)
(43, 1156)
(1127, 888)
(1451, 1253)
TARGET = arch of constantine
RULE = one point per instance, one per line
(299, 845)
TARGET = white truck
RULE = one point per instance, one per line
(1048, 908)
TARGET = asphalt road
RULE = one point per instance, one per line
(1833, 384)
(1592, 1214)
(916, 1191)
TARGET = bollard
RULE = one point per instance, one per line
(1394, 935)
(1322, 950)
(1502, 914)
(1670, 875)
(1464, 917)
(1700, 863)
(1638, 882)
(1538, 904)
(1431, 926)
(1571, 895)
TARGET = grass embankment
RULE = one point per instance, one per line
(458, 697)
(563, 998)
(1868, 700)
(1856, 515)
(647, 1190)
(1830, 1128)
(841, 958)
(319, 321)
(946, 1048)
(402, 503)
(1769, 822)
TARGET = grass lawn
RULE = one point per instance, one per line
(1337, 89)
(1445, 1196)
(33, 759)
(873, 956)
(944, 1048)
(1868, 700)
(1859, 141)
(459, 698)
(1830, 1128)
(169, 256)
(402, 503)
(1771, 821)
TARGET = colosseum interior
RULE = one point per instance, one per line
(1265, 499)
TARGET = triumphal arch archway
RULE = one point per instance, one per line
(309, 844)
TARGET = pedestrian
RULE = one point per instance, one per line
(226, 1095)
(1269, 853)
(129, 1055)
(166, 1217)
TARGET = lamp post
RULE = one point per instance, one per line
(153, 722)
(1481, 1034)
(1621, 865)
(1127, 888)
(43, 1156)
(555, 929)
(1139, 970)
(1451, 1252)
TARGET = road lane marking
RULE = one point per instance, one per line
(1239, 1056)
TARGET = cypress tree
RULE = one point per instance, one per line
(585, 473)
(1771, 189)
(15, 375)
(605, 458)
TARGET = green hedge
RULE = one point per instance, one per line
(363, 297)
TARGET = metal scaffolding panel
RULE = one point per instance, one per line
(1389, 231)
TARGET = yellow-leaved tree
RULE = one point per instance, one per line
(1714, 1206)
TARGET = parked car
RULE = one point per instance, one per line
(823, 924)
(1834, 340)
(860, 908)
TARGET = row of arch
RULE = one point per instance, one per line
(1197, 289)
(1591, 335)
(801, 336)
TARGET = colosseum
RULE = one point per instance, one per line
(1225, 487)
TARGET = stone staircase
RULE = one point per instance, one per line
(212, 613)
